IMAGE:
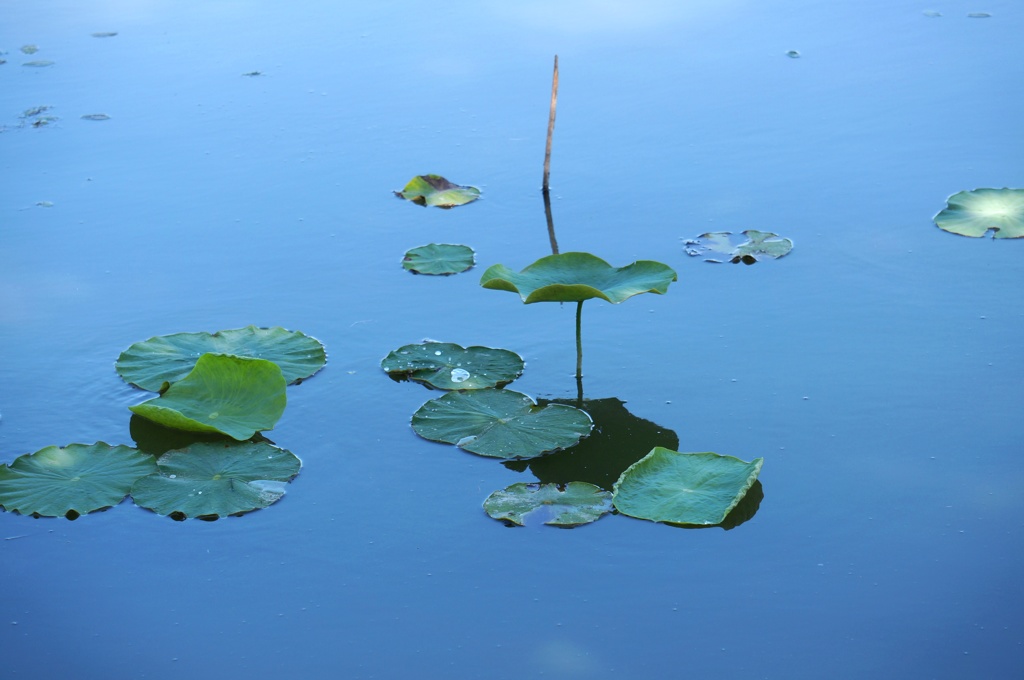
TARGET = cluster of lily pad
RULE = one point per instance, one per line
(218, 391)
(479, 416)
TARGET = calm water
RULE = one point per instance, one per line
(876, 369)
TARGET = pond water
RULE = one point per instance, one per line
(876, 368)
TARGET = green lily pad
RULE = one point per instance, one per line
(210, 480)
(577, 503)
(575, 277)
(157, 362)
(758, 246)
(73, 480)
(447, 366)
(500, 423)
(974, 213)
(437, 191)
(439, 259)
(232, 395)
(684, 488)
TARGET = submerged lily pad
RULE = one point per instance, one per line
(216, 480)
(154, 363)
(577, 503)
(684, 488)
(974, 213)
(575, 277)
(447, 366)
(73, 480)
(437, 191)
(500, 423)
(439, 259)
(236, 396)
(758, 246)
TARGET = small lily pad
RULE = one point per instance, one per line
(684, 488)
(236, 396)
(42, 63)
(575, 277)
(439, 259)
(29, 49)
(211, 480)
(500, 423)
(575, 504)
(95, 116)
(73, 480)
(437, 191)
(157, 362)
(104, 34)
(759, 245)
(975, 213)
(446, 366)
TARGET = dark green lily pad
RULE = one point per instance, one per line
(447, 366)
(236, 396)
(437, 191)
(500, 423)
(157, 362)
(73, 480)
(575, 504)
(439, 259)
(684, 488)
(759, 245)
(975, 213)
(211, 480)
(575, 277)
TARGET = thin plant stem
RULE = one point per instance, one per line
(579, 341)
(551, 223)
(551, 126)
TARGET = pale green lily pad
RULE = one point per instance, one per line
(210, 480)
(575, 277)
(500, 423)
(439, 259)
(154, 363)
(575, 504)
(684, 488)
(73, 480)
(447, 366)
(42, 63)
(437, 191)
(236, 396)
(975, 213)
(759, 245)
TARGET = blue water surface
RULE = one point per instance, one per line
(876, 369)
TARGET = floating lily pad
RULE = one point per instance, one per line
(95, 116)
(759, 245)
(29, 49)
(684, 488)
(216, 480)
(236, 396)
(974, 213)
(574, 277)
(577, 503)
(154, 363)
(104, 34)
(73, 480)
(439, 259)
(447, 366)
(500, 423)
(42, 63)
(437, 191)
